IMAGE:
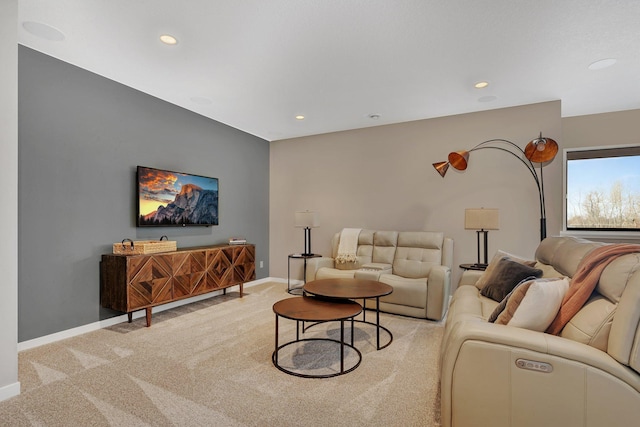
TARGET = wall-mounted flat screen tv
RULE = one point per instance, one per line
(167, 198)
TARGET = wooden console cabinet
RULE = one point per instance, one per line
(130, 283)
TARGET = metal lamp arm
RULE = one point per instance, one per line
(529, 166)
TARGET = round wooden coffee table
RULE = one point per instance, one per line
(309, 309)
(349, 289)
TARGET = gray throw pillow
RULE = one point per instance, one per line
(505, 277)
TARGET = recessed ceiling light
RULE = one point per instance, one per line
(299, 117)
(374, 116)
(481, 85)
(603, 63)
(168, 39)
(43, 31)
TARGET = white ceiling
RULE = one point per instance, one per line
(256, 64)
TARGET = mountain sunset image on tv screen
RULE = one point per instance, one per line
(167, 198)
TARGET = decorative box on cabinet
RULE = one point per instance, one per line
(130, 283)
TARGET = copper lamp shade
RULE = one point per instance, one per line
(541, 150)
(459, 159)
(441, 167)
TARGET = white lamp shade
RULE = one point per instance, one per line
(481, 219)
(307, 219)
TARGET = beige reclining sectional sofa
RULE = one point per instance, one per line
(588, 375)
(417, 264)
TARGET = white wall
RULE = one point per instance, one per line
(382, 178)
(9, 385)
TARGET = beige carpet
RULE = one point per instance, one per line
(209, 364)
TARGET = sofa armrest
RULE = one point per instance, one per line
(315, 264)
(438, 287)
(372, 271)
(469, 277)
(477, 354)
(447, 252)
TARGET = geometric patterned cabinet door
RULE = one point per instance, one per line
(135, 282)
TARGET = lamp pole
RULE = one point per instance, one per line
(529, 165)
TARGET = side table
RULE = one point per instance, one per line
(477, 267)
(304, 258)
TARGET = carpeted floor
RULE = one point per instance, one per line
(209, 364)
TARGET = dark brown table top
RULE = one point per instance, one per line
(347, 288)
(312, 309)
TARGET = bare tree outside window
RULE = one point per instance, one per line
(603, 189)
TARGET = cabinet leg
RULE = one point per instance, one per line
(148, 312)
(130, 316)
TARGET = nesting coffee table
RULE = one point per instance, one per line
(310, 309)
(349, 289)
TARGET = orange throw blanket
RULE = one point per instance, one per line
(585, 280)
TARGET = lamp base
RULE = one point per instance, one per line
(476, 266)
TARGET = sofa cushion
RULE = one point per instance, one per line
(548, 270)
(533, 304)
(409, 292)
(564, 253)
(505, 276)
(592, 324)
(482, 281)
(384, 246)
(417, 252)
(334, 273)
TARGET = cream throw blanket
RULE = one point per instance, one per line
(348, 245)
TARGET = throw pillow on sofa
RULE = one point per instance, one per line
(533, 304)
(505, 276)
(482, 281)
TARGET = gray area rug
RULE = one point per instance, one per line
(209, 364)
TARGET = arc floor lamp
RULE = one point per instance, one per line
(539, 150)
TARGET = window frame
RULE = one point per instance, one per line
(604, 233)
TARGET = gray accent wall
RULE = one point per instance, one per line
(81, 137)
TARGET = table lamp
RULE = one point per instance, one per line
(307, 220)
(482, 220)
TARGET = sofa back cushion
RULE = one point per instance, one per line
(417, 252)
(564, 253)
(364, 254)
(384, 246)
(620, 285)
(610, 320)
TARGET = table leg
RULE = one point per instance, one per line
(289, 274)
(342, 346)
(378, 321)
(275, 353)
(352, 323)
(304, 270)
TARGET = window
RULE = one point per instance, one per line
(602, 188)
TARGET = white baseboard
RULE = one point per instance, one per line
(69, 333)
(9, 391)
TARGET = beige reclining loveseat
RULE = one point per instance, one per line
(588, 375)
(417, 264)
